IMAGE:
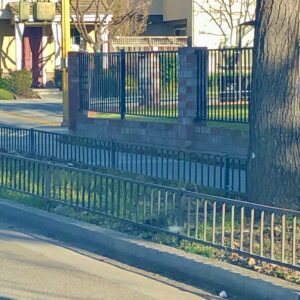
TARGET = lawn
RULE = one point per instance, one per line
(117, 116)
(6, 95)
(228, 112)
(231, 116)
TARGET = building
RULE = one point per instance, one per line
(194, 18)
(34, 45)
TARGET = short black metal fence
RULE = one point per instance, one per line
(224, 81)
(218, 172)
(265, 233)
(130, 83)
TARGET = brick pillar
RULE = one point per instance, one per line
(74, 93)
(189, 84)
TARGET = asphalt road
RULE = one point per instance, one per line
(34, 267)
(34, 113)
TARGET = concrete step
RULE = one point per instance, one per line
(48, 91)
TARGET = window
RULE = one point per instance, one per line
(75, 37)
(180, 30)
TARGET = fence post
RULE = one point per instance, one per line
(202, 78)
(32, 142)
(123, 84)
(75, 84)
(188, 85)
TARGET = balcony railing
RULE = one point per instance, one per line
(150, 42)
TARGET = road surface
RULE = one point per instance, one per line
(36, 113)
(34, 267)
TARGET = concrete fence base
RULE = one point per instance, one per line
(192, 137)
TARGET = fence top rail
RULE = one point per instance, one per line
(131, 52)
(15, 128)
(195, 195)
(151, 40)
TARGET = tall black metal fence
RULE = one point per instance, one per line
(130, 83)
(224, 81)
(264, 233)
(146, 83)
(220, 172)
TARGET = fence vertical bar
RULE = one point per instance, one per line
(294, 246)
(197, 220)
(272, 235)
(251, 231)
(202, 78)
(214, 220)
(262, 219)
(47, 181)
(32, 142)
(223, 224)
(189, 218)
(283, 234)
(242, 228)
(232, 227)
(205, 220)
(123, 84)
(113, 155)
(227, 174)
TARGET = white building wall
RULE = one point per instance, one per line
(204, 31)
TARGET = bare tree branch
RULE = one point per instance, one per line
(113, 17)
(227, 15)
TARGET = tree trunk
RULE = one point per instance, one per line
(274, 168)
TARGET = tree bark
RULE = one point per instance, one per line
(274, 153)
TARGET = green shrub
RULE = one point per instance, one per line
(169, 69)
(6, 95)
(4, 83)
(20, 82)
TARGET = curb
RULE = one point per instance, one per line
(169, 262)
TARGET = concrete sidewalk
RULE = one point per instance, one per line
(192, 269)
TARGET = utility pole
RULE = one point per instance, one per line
(65, 39)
